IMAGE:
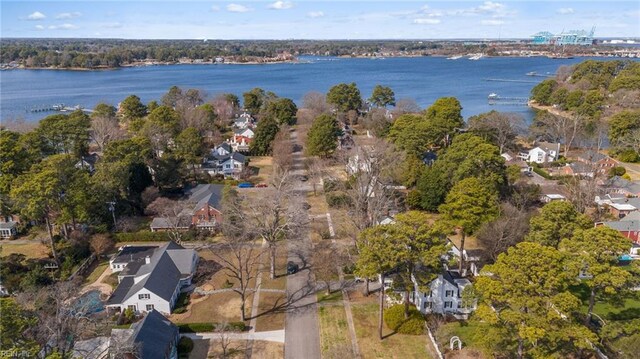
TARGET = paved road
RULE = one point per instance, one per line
(302, 334)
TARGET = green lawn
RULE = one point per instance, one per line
(627, 307)
(335, 296)
(365, 318)
(470, 333)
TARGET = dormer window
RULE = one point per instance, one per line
(144, 296)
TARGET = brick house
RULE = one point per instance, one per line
(598, 161)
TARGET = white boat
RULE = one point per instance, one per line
(454, 57)
(493, 96)
(476, 57)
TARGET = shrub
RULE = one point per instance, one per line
(337, 199)
(185, 345)
(617, 171)
(211, 327)
(395, 320)
(141, 236)
(628, 155)
(413, 199)
(330, 185)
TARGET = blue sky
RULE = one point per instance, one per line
(314, 19)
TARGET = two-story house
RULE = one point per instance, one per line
(151, 277)
(204, 211)
(597, 161)
(223, 160)
(544, 152)
(444, 296)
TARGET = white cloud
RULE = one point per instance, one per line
(68, 15)
(427, 21)
(39, 27)
(490, 6)
(281, 5)
(491, 22)
(315, 14)
(565, 11)
(63, 27)
(36, 16)
(238, 8)
(215, 8)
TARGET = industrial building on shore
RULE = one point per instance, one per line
(571, 37)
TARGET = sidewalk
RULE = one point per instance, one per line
(271, 336)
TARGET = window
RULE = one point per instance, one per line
(427, 305)
(149, 307)
(132, 307)
(448, 305)
(448, 293)
(144, 296)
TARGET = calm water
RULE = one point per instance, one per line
(424, 79)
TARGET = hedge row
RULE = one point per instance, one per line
(211, 327)
(141, 236)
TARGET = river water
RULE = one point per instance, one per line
(423, 79)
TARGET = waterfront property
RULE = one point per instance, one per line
(151, 277)
(543, 152)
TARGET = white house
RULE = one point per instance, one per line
(552, 197)
(244, 121)
(244, 132)
(444, 296)
(230, 164)
(543, 153)
(222, 150)
(151, 277)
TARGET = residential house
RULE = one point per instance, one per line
(151, 277)
(544, 152)
(240, 143)
(88, 162)
(598, 161)
(243, 121)
(618, 185)
(472, 256)
(9, 226)
(576, 169)
(203, 211)
(550, 197)
(154, 337)
(621, 210)
(244, 132)
(514, 160)
(429, 157)
(228, 164)
(444, 296)
(620, 206)
(628, 226)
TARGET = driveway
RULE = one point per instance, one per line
(302, 334)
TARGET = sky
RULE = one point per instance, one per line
(302, 19)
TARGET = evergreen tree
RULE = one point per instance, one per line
(322, 139)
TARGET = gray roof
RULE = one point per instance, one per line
(592, 156)
(205, 194)
(163, 223)
(161, 275)
(156, 334)
(619, 182)
(225, 146)
(133, 253)
(632, 201)
(624, 226)
(7, 225)
(633, 216)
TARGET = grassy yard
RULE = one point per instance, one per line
(33, 249)
(97, 271)
(334, 333)
(620, 309)
(216, 308)
(470, 333)
(270, 303)
(365, 317)
(335, 296)
(280, 282)
(264, 167)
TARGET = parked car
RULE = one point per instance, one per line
(261, 185)
(292, 268)
(306, 206)
(528, 174)
(245, 185)
(303, 178)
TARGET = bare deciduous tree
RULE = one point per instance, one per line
(315, 102)
(105, 129)
(101, 244)
(325, 265)
(559, 128)
(283, 150)
(61, 317)
(405, 105)
(498, 127)
(176, 216)
(506, 231)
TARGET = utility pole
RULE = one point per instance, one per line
(112, 209)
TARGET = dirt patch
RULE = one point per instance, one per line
(219, 307)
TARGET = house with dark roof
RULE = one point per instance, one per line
(619, 185)
(244, 120)
(151, 277)
(204, 210)
(88, 162)
(154, 337)
(598, 161)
